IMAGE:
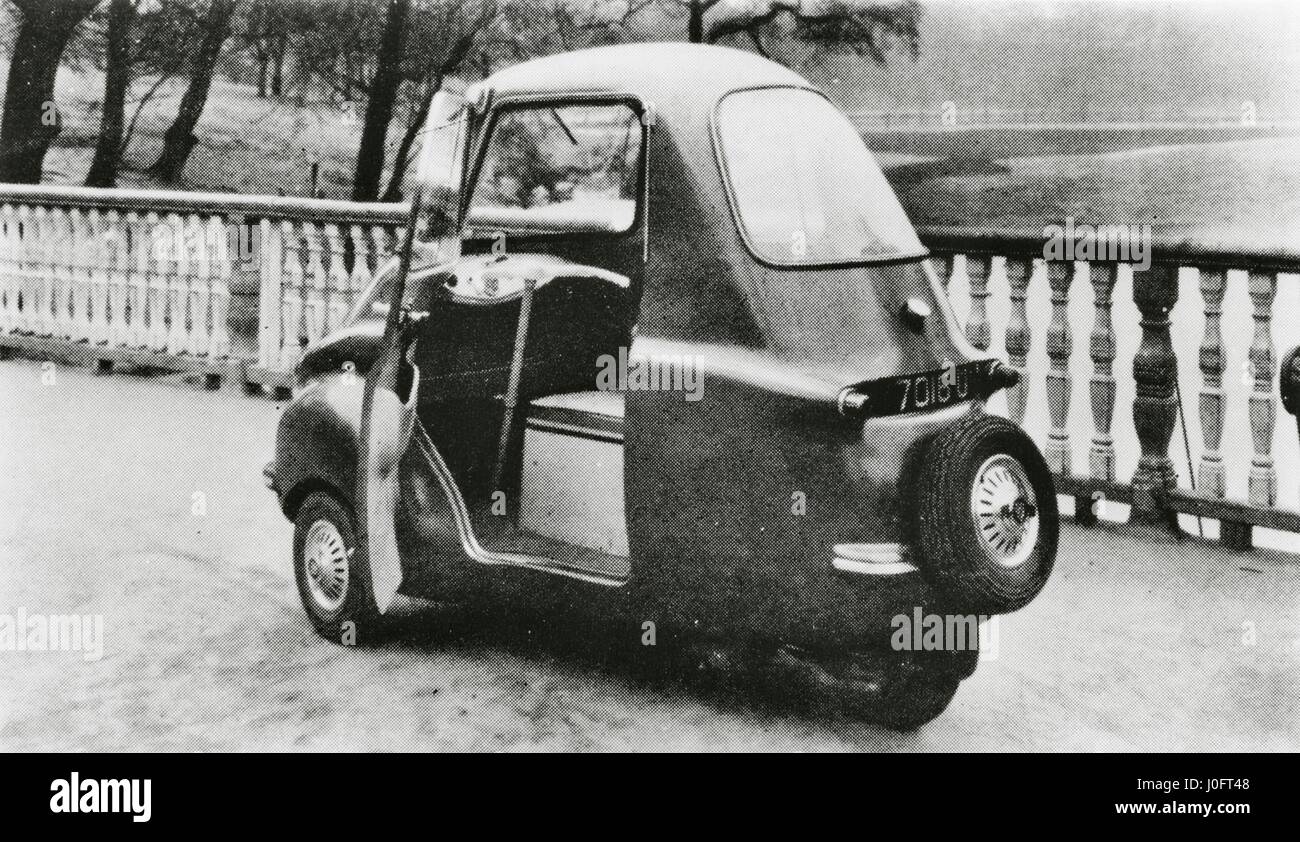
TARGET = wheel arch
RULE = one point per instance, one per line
(316, 445)
(293, 499)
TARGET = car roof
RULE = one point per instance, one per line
(652, 71)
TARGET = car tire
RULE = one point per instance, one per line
(986, 523)
(332, 577)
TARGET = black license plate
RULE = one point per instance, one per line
(929, 390)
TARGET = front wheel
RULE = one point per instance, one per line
(332, 578)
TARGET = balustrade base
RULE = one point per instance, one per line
(105, 359)
(1236, 536)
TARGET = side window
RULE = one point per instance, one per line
(560, 169)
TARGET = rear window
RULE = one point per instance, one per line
(806, 188)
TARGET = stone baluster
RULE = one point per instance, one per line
(8, 268)
(85, 251)
(21, 275)
(73, 262)
(161, 263)
(1212, 398)
(61, 260)
(219, 273)
(25, 322)
(38, 247)
(42, 280)
(53, 275)
(17, 268)
(84, 284)
(141, 231)
(86, 287)
(17, 271)
(272, 274)
(120, 318)
(1213, 401)
(47, 281)
(102, 250)
(1060, 275)
(1019, 335)
(1101, 386)
(1263, 408)
(337, 298)
(198, 293)
(1155, 405)
(942, 264)
(383, 252)
(66, 260)
(37, 270)
(315, 285)
(978, 330)
(178, 285)
(119, 267)
(292, 302)
(359, 278)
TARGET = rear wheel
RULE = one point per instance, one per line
(987, 523)
(332, 578)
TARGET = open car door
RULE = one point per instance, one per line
(388, 408)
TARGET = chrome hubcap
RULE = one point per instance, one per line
(1005, 510)
(325, 558)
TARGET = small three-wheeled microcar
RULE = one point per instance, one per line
(662, 340)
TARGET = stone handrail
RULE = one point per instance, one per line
(148, 276)
(1152, 491)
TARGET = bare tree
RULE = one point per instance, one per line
(695, 19)
(148, 38)
(863, 28)
(824, 26)
(31, 120)
(432, 83)
(117, 78)
(379, 106)
(260, 33)
(180, 139)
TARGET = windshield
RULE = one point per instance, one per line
(561, 169)
(806, 188)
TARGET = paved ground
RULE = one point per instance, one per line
(1137, 643)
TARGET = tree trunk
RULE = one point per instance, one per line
(30, 120)
(379, 107)
(179, 140)
(277, 74)
(456, 56)
(117, 78)
(263, 71)
(403, 157)
(695, 28)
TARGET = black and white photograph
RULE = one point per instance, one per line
(663, 376)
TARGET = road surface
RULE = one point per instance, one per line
(1136, 643)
